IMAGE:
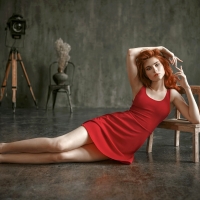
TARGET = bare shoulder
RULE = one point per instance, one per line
(177, 100)
(174, 94)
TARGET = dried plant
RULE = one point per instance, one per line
(62, 50)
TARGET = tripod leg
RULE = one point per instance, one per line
(14, 79)
(27, 79)
(7, 71)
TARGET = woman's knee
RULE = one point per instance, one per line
(59, 157)
(58, 145)
(72, 140)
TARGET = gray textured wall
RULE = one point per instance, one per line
(99, 32)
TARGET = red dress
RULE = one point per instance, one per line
(119, 135)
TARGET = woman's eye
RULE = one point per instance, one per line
(148, 68)
(157, 64)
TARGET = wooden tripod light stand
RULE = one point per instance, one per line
(14, 56)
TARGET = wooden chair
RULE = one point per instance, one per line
(180, 124)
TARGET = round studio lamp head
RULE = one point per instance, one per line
(17, 26)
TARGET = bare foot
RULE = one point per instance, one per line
(1, 147)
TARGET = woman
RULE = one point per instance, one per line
(118, 135)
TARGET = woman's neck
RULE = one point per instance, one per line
(158, 86)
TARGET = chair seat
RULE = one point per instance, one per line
(57, 87)
(178, 124)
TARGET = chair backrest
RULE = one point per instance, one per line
(195, 91)
(69, 70)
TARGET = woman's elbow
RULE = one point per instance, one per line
(195, 121)
(131, 52)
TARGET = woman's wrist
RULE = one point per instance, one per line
(187, 87)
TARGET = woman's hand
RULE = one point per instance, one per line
(181, 78)
(170, 56)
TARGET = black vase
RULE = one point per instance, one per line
(60, 78)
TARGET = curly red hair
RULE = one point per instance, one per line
(170, 79)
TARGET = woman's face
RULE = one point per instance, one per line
(154, 69)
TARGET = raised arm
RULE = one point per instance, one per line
(190, 111)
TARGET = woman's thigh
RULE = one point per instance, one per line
(87, 153)
(73, 139)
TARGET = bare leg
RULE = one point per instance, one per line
(67, 142)
(87, 153)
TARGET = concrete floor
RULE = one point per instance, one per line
(167, 173)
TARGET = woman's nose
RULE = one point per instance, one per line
(155, 69)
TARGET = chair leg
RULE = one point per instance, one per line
(54, 97)
(176, 138)
(196, 146)
(150, 143)
(48, 96)
(69, 98)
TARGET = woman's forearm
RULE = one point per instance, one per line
(136, 51)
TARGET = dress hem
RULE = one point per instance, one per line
(127, 162)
